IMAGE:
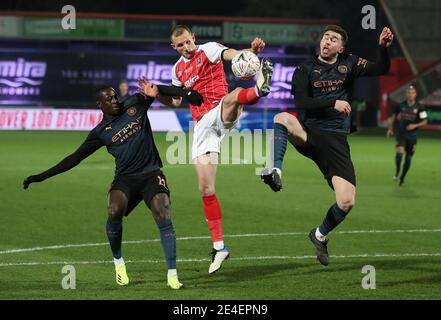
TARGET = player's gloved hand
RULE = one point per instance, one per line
(29, 180)
(194, 97)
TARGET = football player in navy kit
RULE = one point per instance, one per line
(408, 117)
(126, 133)
(322, 86)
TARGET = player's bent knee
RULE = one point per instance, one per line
(282, 118)
(289, 121)
(161, 214)
(346, 203)
(206, 190)
(115, 212)
(230, 99)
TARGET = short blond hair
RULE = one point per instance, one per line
(179, 29)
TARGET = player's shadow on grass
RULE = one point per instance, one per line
(230, 273)
(406, 192)
(311, 267)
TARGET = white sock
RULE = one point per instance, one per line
(278, 171)
(218, 245)
(319, 235)
(171, 272)
(118, 262)
(257, 91)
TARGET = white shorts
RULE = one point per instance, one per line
(209, 132)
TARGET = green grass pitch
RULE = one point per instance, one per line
(396, 230)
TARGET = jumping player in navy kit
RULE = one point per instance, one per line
(321, 86)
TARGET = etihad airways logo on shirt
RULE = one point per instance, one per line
(408, 115)
(128, 130)
(328, 85)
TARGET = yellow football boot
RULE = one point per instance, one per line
(121, 275)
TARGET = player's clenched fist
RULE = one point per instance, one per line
(386, 37)
(257, 45)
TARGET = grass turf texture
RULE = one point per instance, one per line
(71, 209)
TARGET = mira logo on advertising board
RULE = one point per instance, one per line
(21, 77)
(281, 82)
(159, 73)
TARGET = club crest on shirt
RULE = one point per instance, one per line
(342, 69)
(198, 61)
(131, 111)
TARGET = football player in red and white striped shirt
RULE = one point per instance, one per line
(200, 68)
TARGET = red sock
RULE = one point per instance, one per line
(248, 96)
(213, 214)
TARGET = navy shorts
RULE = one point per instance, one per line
(140, 187)
(331, 153)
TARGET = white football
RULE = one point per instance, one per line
(245, 65)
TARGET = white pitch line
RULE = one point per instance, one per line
(192, 260)
(82, 245)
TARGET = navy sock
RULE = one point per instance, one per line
(114, 234)
(406, 166)
(280, 141)
(398, 158)
(333, 218)
(168, 242)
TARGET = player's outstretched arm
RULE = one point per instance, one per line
(192, 96)
(381, 66)
(257, 46)
(169, 95)
(86, 149)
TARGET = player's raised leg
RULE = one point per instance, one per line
(206, 167)
(117, 206)
(345, 200)
(160, 207)
(286, 128)
(240, 96)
